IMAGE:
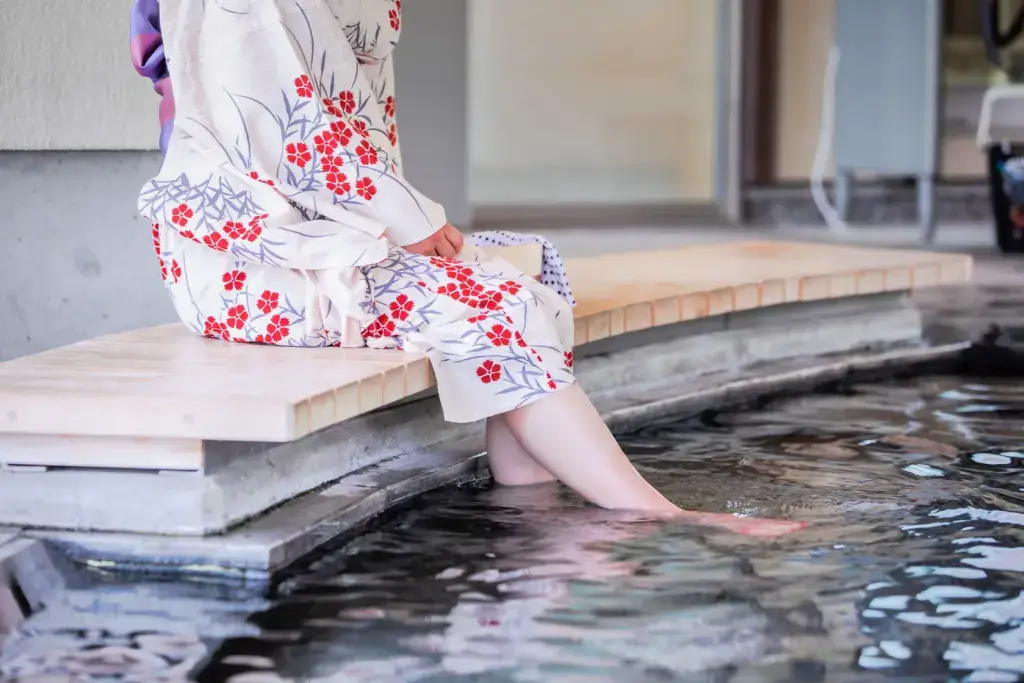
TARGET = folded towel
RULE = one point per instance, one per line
(552, 272)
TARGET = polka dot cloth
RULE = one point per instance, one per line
(552, 272)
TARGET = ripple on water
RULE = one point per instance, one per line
(911, 569)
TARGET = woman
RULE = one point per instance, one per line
(281, 216)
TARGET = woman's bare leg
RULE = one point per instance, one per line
(510, 464)
(565, 434)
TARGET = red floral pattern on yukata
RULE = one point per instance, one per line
(338, 145)
(489, 333)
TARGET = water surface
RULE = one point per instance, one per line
(912, 569)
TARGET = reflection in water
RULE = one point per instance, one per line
(912, 569)
(117, 630)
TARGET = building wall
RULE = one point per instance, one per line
(76, 260)
(584, 101)
(66, 80)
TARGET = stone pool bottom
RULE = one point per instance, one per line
(912, 568)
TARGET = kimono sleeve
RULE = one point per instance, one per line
(292, 106)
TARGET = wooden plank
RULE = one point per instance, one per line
(165, 383)
(621, 280)
(21, 450)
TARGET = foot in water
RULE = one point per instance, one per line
(544, 498)
(746, 526)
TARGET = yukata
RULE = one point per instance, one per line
(280, 210)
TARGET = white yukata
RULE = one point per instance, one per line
(281, 205)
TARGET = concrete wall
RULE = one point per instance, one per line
(431, 88)
(592, 100)
(76, 261)
(66, 80)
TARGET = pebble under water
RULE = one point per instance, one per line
(911, 569)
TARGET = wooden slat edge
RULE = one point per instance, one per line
(98, 452)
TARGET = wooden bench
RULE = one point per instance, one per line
(150, 398)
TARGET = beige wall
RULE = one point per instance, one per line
(66, 80)
(806, 34)
(592, 100)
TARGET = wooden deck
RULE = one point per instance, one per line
(150, 398)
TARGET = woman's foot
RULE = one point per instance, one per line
(746, 526)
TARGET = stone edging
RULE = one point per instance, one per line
(28, 580)
(256, 550)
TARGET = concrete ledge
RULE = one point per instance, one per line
(253, 552)
(173, 451)
(789, 377)
(28, 580)
(677, 370)
(244, 480)
(256, 549)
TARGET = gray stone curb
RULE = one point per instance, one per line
(256, 550)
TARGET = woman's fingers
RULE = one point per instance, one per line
(454, 238)
(444, 248)
(446, 243)
(456, 247)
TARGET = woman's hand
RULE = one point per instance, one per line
(446, 242)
